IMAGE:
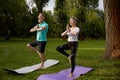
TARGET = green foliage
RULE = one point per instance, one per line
(52, 27)
(95, 25)
(60, 16)
(17, 19)
(11, 13)
(40, 4)
(89, 17)
(89, 54)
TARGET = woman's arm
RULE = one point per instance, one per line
(74, 33)
(64, 33)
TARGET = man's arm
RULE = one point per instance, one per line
(34, 28)
(37, 28)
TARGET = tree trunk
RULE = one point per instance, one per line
(7, 26)
(7, 35)
(39, 4)
(112, 23)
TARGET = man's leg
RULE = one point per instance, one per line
(42, 57)
(33, 48)
(41, 52)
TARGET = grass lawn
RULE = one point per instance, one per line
(14, 54)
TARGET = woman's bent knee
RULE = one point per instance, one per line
(58, 48)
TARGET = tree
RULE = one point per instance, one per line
(60, 17)
(40, 4)
(79, 9)
(82, 9)
(112, 23)
(95, 25)
(10, 13)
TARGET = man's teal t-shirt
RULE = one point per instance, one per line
(42, 34)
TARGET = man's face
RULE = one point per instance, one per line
(40, 17)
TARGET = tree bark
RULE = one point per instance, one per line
(112, 25)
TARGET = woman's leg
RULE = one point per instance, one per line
(72, 58)
(62, 49)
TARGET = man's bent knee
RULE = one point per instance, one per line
(28, 45)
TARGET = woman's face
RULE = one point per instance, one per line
(72, 22)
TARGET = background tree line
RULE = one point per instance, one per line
(16, 18)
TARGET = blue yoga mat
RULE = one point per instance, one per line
(62, 75)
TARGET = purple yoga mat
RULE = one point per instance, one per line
(62, 75)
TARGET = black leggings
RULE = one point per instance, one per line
(69, 46)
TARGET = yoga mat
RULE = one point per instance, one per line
(63, 75)
(27, 69)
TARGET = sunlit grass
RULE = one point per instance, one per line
(14, 54)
